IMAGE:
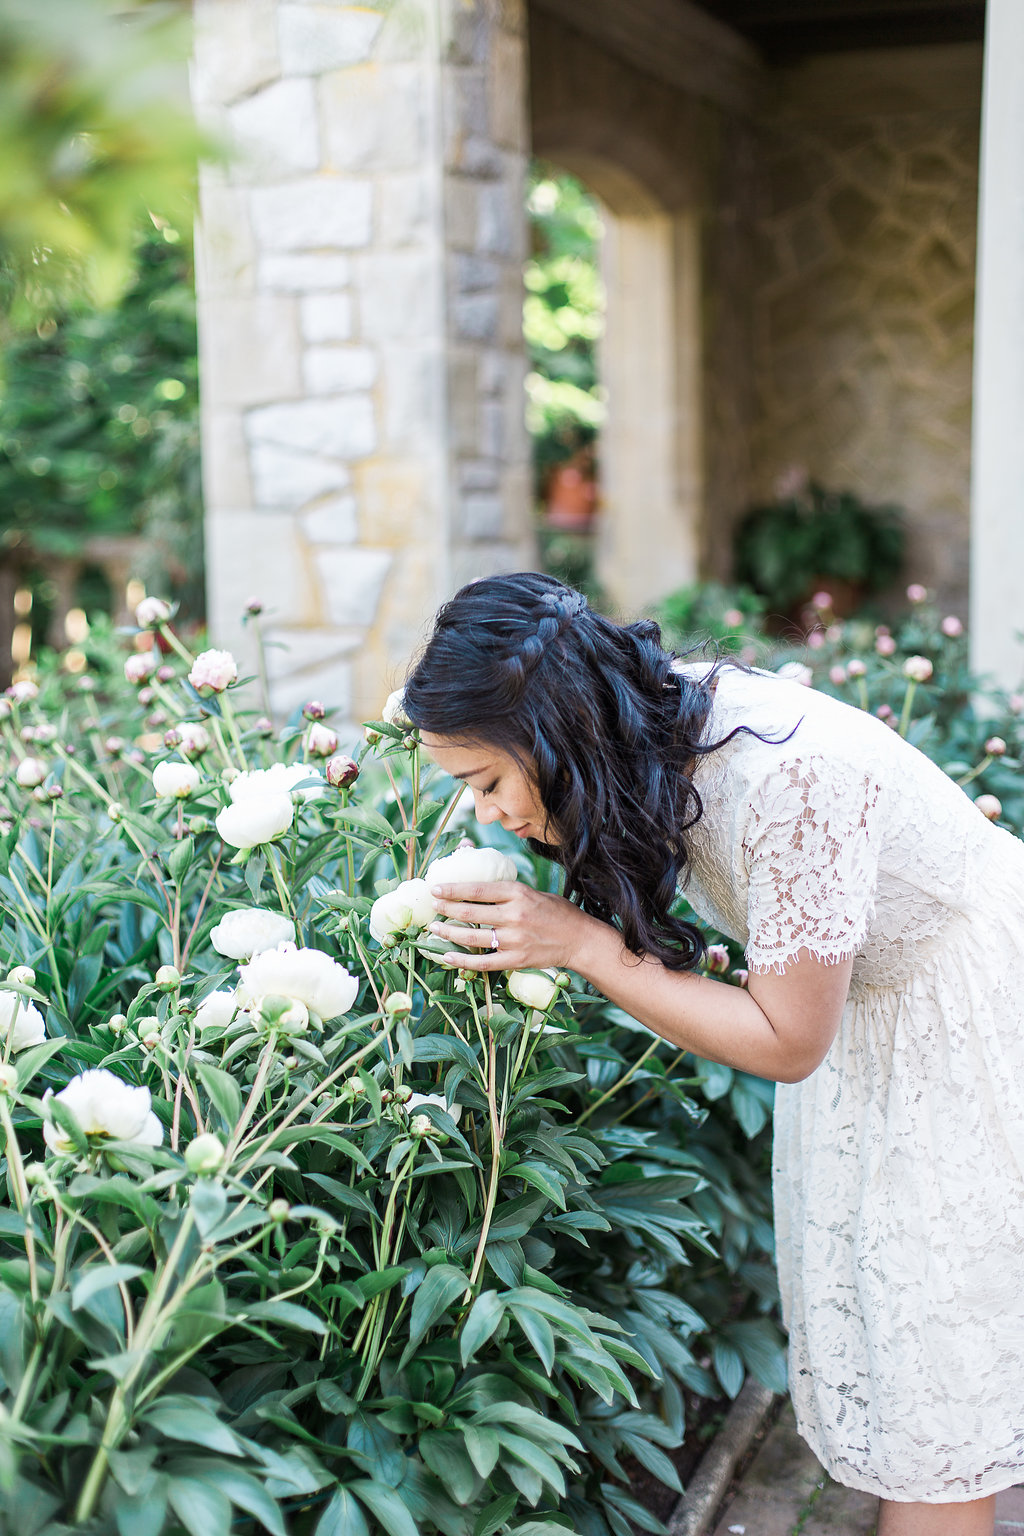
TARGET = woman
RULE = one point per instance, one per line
(882, 919)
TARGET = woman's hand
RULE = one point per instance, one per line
(533, 929)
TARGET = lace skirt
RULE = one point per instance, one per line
(899, 1210)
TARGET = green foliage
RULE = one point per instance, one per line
(784, 549)
(99, 430)
(96, 130)
(287, 1292)
(563, 317)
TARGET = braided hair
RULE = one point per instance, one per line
(595, 711)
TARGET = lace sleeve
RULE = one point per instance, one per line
(811, 855)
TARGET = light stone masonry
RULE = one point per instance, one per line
(358, 261)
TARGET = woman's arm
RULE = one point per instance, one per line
(780, 1026)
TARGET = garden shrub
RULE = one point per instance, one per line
(303, 1232)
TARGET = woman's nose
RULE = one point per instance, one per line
(486, 811)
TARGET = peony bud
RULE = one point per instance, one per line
(137, 668)
(995, 746)
(213, 670)
(563, 979)
(884, 712)
(822, 601)
(152, 611)
(264, 726)
(740, 976)
(916, 593)
(837, 676)
(115, 811)
(165, 674)
(732, 618)
(989, 806)
(254, 607)
(117, 1023)
(23, 692)
(917, 668)
(30, 772)
(398, 1005)
(1015, 703)
(314, 710)
(279, 1210)
(8, 1078)
(815, 640)
(856, 668)
(885, 645)
(341, 771)
(420, 1126)
(716, 960)
(204, 1154)
(534, 989)
(394, 709)
(168, 978)
(321, 741)
(951, 626)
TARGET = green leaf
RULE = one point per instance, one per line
(289, 1313)
(728, 1367)
(493, 1516)
(224, 1093)
(209, 1202)
(538, 1331)
(191, 1420)
(439, 1289)
(446, 1455)
(180, 858)
(143, 1513)
(385, 1504)
(202, 1510)
(483, 1317)
(483, 1446)
(342, 1517)
(97, 1278)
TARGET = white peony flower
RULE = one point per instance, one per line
(534, 989)
(471, 866)
(279, 779)
(406, 909)
(152, 610)
(175, 781)
(23, 691)
(213, 670)
(308, 975)
(216, 1010)
(795, 672)
(394, 709)
(20, 1022)
(104, 1105)
(416, 1101)
(31, 772)
(257, 820)
(250, 930)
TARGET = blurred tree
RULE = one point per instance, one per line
(96, 129)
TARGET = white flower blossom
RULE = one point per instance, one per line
(213, 670)
(534, 989)
(279, 779)
(104, 1105)
(31, 771)
(471, 866)
(23, 691)
(406, 909)
(321, 740)
(195, 738)
(138, 667)
(216, 1010)
(250, 930)
(20, 1022)
(394, 709)
(917, 668)
(151, 611)
(175, 781)
(257, 820)
(308, 975)
(416, 1101)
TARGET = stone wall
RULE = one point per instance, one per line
(863, 260)
(359, 278)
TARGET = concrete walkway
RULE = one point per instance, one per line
(785, 1492)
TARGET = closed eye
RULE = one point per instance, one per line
(490, 788)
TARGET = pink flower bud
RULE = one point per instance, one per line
(314, 710)
(172, 738)
(214, 670)
(917, 668)
(23, 692)
(115, 745)
(951, 626)
(856, 667)
(834, 633)
(837, 676)
(989, 806)
(716, 960)
(146, 696)
(995, 746)
(884, 712)
(732, 617)
(165, 674)
(822, 601)
(321, 741)
(157, 718)
(341, 771)
(881, 629)
(151, 611)
(815, 640)
(254, 607)
(740, 976)
(916, 593)
(885, 645)
(264, 726)
(137, 668)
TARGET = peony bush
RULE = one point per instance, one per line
(304, 1233)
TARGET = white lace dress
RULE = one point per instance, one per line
(899, 1163)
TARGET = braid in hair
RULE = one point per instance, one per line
(597, 713)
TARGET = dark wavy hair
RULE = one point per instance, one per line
(596, 712)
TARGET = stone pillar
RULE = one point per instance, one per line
(997, 513)
(652, 442)
(361, 354)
